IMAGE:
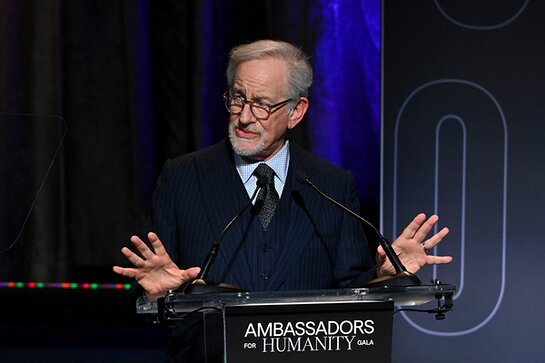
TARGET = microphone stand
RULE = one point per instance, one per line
(200, 285)
(402, 276)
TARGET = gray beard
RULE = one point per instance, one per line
(235, 144)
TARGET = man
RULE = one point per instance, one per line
(307, 243)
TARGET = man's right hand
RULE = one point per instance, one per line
(154, 270)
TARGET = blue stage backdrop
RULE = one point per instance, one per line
(342, 37)
(344, 115)
(134, 83)
(463, 86)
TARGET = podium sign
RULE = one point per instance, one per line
(317, 332)
(338, 325)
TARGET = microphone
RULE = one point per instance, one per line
(199, 284)
(402, 276)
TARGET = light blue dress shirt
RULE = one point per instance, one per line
(279, 163)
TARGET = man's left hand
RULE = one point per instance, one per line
(412, 247)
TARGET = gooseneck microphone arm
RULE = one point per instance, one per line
(212, 253)
(386, 245)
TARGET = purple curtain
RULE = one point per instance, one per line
(141, 81)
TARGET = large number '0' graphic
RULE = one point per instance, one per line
(463, 24)
(439, 125)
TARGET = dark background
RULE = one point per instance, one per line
(133, 83)
(120, 86)
(95, 95)
(463, 86)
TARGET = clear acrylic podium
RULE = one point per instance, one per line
(345, 325)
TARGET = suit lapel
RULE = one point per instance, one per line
(223, 196)
(218, 179)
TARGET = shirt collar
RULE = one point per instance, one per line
(279, 163)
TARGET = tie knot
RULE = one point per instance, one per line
(264, 172)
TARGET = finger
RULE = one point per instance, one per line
(436, 238)
(125, 271)
(380, 251)
(425, 228)
(380, 257)
(192, 273)
(438, 260)
(142, 247)
(157, 244)
(136, 260)
(411, 229)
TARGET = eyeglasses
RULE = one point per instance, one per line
(260, 110)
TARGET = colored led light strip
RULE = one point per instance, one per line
(64, 285)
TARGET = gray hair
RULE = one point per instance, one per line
(299, 68)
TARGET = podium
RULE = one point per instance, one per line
(344, 325)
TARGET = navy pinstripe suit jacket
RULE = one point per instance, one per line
(324, 247)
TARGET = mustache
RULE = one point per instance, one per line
(249, 128)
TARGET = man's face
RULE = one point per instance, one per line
(262, 80)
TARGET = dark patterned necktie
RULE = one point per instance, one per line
(267, 199)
